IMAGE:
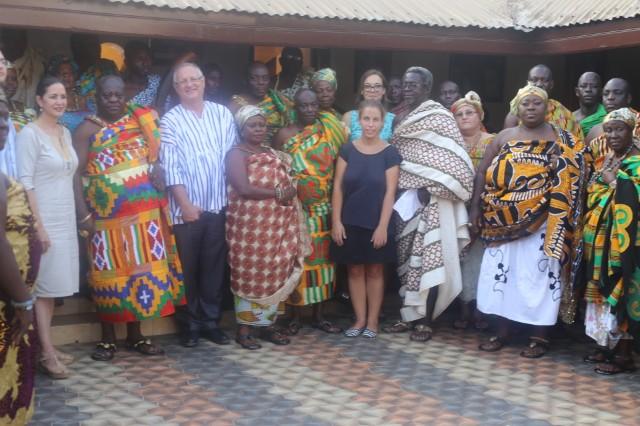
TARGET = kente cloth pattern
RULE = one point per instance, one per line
(86, 84)
(254, 314)
(592, 120)
(522, 192)
(611, 243)
(559, 116)
(21, 116)
(314, 151)
(598, 149)
(135, 270)
(278, 110)
(477, 152)
(267, 241)
(429, 244)
(18, 362)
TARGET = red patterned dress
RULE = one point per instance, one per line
(267, 241)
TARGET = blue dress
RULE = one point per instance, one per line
(355, 130)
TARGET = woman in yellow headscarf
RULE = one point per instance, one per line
(526, 203)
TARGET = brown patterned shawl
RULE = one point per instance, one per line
(429, 243)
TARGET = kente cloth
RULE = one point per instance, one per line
(21, 116)
(135, 271)
(477, 152)
(267, 240)
(314, 151)
(429, 244)
(278, 110)
(592, 120)
(254, 314)
(559, 116)
(522, 192)
(86, 84)
(18, 362)
(597, 149)
(611, 243)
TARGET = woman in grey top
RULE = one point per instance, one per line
(46, 166)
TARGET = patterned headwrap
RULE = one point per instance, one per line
(325, 74)
(625, 115)
(472, 99)
(245, 113)
(523, 93)
(57, 60)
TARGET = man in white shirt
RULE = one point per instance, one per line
(196, 135)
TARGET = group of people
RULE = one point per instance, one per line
(282, 187)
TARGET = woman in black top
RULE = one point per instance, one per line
(366, 179)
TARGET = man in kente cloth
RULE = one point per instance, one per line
(135, 273)
(436, 172)
(589, 93)
(313, 141)
(278, 109)
(557, 114)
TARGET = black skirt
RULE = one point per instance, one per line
(358, 249)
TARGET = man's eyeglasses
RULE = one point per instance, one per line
(192, 80)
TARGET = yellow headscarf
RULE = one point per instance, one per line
(523, 93)
(625, 115)
(325, 74)
(471, 99)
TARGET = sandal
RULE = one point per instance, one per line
(327, 327)
(247, 341)
(461, 324)
(598, 356)
(617, 365)
(494, 344)
(369, 334)
(536, 349)
(292, 329)
(270, 334)
(59, 372)
(397, 327)
(353, 332)
(64, 358)
(144, 347)
(104, 351)
(421, 333)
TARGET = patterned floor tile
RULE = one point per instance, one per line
(321, 380)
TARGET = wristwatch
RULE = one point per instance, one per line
(27, 305)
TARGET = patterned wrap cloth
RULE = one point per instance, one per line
(267, 241)
(314, 151)
(135, 270)
(18, 363)
(429, 244)
(611, 238)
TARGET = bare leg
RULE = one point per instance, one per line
(358, 292)
(375, 294)
(44, 313)
(134, 333)
(108, 332)
(422, 331)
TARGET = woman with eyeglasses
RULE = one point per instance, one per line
(469, 114)
(372, 87)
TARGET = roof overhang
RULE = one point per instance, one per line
(135, 19)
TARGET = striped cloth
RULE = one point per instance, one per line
(192, 153)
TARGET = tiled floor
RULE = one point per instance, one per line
(321, 380)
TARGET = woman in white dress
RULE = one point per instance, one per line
(46, 166)
(526, 201)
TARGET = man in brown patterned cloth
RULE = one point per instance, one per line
(436, 178)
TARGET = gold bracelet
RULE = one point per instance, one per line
(86, 218)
